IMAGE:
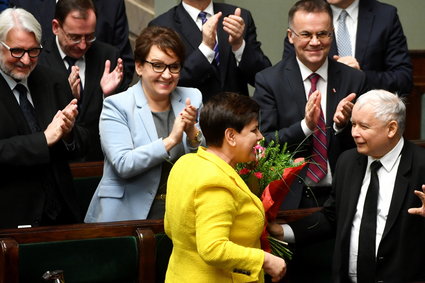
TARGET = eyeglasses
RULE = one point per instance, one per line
(20, 52)
(160, 67)
(321, 35)
(77, 38)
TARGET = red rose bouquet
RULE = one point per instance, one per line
(270, 178)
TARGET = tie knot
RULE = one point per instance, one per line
(203, 16)
(314, 78)
(342, 16)
(375, 165)
(21, 89)
(71, 61)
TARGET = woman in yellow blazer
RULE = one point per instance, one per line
(213, 219)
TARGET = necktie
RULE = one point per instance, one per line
(343, 36)
(27, 108)
(71, 62)
(203, 16)
(367, 236)
(318, 168)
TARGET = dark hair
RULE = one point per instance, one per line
(310, 6)
(165, 38)
(64, 7)
(226, 110)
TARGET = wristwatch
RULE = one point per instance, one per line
(198, 137)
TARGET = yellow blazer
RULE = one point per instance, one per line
(214, 221)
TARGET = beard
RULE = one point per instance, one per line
(10, 71)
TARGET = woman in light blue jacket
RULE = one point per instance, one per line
(144, 130)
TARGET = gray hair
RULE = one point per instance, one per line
(20, 19)
(387, 106)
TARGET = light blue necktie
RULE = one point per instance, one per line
(343, 36)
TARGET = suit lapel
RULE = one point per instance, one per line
(352, 192)
(401, 187)
(187, 27)
(12, 107)
(144, 111)
(364, 28)
(291, 77)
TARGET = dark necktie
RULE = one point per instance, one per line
(71, 62)
(343, 36)
(203, 16)
(366, 259)
(27, 108)
(318, 168)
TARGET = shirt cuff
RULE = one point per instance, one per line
(305, 129)
(238, 53)
(288, 234)
(208, 52)
(337, 130)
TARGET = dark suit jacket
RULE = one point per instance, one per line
(111, 25)
(381, 48)
(401, 254)
(92, 100)
(27, 164)
(279, 90)
(197, 71)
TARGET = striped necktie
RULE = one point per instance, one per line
(318, 168)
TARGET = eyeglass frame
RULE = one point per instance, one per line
(11, 50)
(81, 36)
(321, 35)
(165, 67)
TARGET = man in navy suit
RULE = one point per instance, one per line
(223, 54)
(111, 25)
(397, 251)
(38, 131)
(90, 79)
(378, 44)
(291, 113)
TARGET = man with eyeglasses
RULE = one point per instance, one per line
(38, 131)
(307, 100)
(376, 43)
(93, 68)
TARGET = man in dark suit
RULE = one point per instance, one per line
(378, 44)
(74, 26)
(397, 250)
(289, 111)
(111, 26)
(223, 53)
(37, 131)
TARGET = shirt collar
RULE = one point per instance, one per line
(306, 72)
(11, 82)
(194, 12)
(389, 160)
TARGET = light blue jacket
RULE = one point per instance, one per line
(133, 154)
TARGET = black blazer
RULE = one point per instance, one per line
(279, 90)
(381, 48)
(197, 71)
(92, 101)
(27, 164)
(401, 254)
(111, 26)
